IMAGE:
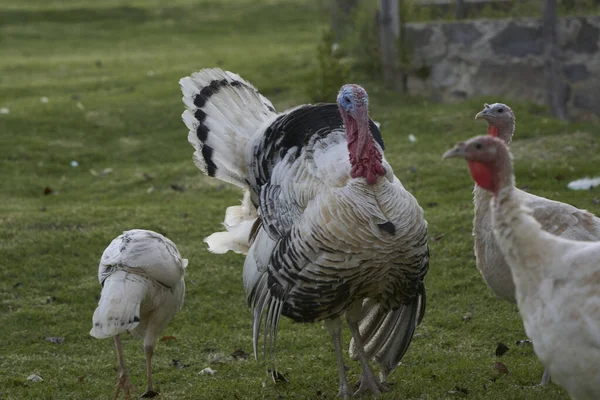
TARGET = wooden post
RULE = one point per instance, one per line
(459, 10)
(341, 16)
(556, 88)
(389, 34)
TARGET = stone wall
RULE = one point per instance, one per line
(503, 60)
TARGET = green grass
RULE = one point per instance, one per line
(110, 72)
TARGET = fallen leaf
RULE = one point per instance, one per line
(35, 378)
(501, 349)
(500, 367)
(240, 354)
(438, 237)
(167, 338)
(48, 190)
(55, 340)
(207, 371)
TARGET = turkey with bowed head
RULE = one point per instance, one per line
(328, 230)
(557, 280)
(141, 273)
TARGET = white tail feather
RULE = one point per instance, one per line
(119, 306)
(239, 221)
(223, 113)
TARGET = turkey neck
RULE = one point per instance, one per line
(504, 131)
(526, 248)
(365, 157)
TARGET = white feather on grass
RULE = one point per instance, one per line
(584, 183)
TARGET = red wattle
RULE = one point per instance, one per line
(492, 131)
(482, 175)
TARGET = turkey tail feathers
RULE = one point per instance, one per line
(223, 112)
(387, 335)
(239, 223)
(119, 306)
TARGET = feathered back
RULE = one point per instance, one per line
(149, 253)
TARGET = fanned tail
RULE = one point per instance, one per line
(223, 113)
(387, 335)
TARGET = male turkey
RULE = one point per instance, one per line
(557, 280)
(141, 273)
(329, 231)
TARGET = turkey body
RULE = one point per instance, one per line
(143, 287)
(558, 293)
(320, 243)
(557, 218)
(332, 239)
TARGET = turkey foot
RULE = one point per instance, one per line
(546, 378)
(368, 382)
(149, 394)
(124, 385)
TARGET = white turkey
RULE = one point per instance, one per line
(329, 231)
(142, 278)
(555, 217)
(557, 280)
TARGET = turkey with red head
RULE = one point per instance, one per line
(557, 280)
(328, 229)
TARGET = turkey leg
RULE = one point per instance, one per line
(123, 381)
(150, 392)
(335, 329)
(368, 380)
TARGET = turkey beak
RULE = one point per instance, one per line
(456, 151)
(481, 114)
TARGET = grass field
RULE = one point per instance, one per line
(109, 71)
